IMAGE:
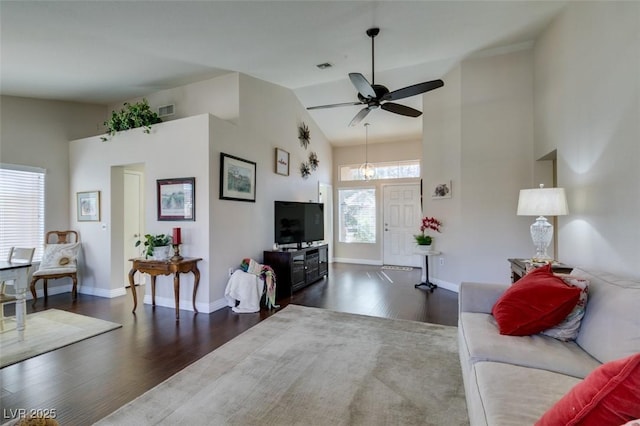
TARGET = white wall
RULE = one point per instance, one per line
(379, 152)
(178, 148)
(225, 231)
(217, 96)
(36, 132)
(587, 105)
(269, 116)
(478, 132)
(442, 151)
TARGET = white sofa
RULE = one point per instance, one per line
(513, 380)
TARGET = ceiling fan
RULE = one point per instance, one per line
(376, 95)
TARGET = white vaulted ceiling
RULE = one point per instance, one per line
(107, 51)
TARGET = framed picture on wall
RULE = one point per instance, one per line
(441, 190)
(88, 206)
(177, 199)
(282, 162)
(237, 178)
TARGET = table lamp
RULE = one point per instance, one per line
(542, 202)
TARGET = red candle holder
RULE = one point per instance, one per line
(176, 241)
(177, 236)
(176, 253)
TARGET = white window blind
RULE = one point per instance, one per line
(21, 209)
(357, 215)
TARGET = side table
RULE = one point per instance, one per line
(519, 268)
(425, 270)
(165, 267)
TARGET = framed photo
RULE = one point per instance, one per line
(177, 199)
(441, 190)
(88, 206)
(282, 162)
(237, 178)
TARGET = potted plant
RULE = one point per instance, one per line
(427, 223)
(130, 117)
(156, 246)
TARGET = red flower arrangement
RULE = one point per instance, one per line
(427, 223)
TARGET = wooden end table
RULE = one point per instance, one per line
(519, 268)
(165, 267)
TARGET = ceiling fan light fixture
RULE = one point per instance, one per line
(372, 95)
(367, 170)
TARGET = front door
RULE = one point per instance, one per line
(401, 220)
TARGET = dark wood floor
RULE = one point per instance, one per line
(88, 380)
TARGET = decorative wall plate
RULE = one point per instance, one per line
(304, 135)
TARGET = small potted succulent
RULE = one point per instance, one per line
(156, 246)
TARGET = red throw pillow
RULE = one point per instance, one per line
(536, 302)
(610, 395)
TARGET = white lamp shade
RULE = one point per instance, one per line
(542, 202)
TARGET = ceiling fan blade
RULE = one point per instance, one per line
(362, 85)
(336, 105)
(401, 109)
(359, 116)
(416, 89)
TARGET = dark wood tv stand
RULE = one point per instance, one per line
(297, 268)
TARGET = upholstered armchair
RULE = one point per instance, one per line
(60, 260)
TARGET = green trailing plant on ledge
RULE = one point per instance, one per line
(152, 241)
(131, 116)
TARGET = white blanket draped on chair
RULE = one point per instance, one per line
(245, 288)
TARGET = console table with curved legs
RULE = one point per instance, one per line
(165, 267)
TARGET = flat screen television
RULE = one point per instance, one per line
(297, 222)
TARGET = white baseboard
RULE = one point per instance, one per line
(218, 304)
(66, 288)
(169, 302)
(446, 285)
(51, 290)
(358, 261)
(102, 292)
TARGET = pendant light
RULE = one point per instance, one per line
(367, 170)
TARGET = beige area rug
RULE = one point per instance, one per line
(46, 331)
(309, 366)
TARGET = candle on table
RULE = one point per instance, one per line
(176, 236)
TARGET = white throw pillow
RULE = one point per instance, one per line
(569, 327)
(60, 256)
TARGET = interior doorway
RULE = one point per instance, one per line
(133, 218)
(400, 219)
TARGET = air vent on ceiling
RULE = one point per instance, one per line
(166, 110)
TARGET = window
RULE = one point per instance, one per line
(357, 215)
(387, 170)
(21, 209)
